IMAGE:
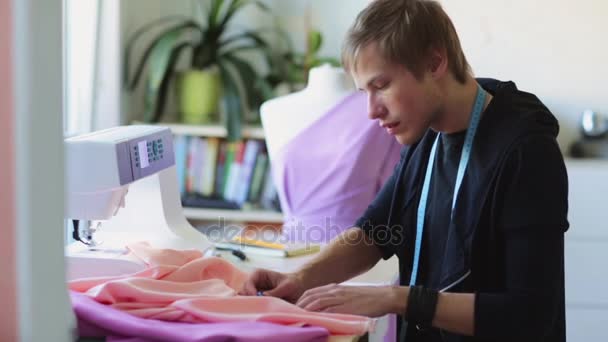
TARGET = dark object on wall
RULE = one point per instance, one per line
(593, 125)
(590, 148)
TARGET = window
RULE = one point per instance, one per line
(91, 60)
(81, 40)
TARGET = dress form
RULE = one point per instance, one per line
(284, 117)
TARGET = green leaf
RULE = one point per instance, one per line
(315, 40)
(248, 36)
(266, 89)
(325, 60)
(159, 61)
(166, 80)
(175, 30)
(236, 6)
(239, 49)
(130, 44)
(214, 14)
(230, 12)
(232, 103)
(249, 78)
(262, 6)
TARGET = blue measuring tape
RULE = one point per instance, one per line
(462, 166)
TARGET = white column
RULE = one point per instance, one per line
(44, 312)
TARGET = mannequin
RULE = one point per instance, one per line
(284, 117)
(328, 159)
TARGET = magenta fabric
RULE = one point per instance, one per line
(329, 173)
(98, 320)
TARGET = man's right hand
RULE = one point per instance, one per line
(286, 286)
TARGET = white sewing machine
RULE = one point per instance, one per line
(122, 187)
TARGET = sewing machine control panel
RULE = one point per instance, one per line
(148, 152)
(151, 153)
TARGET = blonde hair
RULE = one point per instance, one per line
(406, 32)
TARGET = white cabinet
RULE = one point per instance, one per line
(586, 251)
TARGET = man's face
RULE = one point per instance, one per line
(403, 105)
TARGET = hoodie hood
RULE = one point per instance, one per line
(532, 116)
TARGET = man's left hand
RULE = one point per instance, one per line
(371, 301)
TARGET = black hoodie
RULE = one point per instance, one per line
(505, 240)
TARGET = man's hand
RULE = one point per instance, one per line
(371, 301)
(286, 286)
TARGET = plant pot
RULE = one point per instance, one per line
(198, 93)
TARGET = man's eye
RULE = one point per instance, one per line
(381, 86)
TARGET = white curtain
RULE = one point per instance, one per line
(92, 65)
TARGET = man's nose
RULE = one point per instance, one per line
(375, 109)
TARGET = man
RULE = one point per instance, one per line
(485, 265)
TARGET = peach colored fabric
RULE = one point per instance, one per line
(183, 286)
(8, 291)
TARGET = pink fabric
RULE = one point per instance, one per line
(182, 286)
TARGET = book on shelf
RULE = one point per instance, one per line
(274, 249)
(180, 149)
(215, 173)
(257, 180)
(208, 175)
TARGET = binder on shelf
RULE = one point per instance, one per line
(257, 179)
(234, 174)
(199, 169)
(228, 165)
(219, 170)
(252, 148)
(209, 166)
(181, 161)
(195, 200)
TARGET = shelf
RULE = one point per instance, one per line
(219, 131)
(233, 215)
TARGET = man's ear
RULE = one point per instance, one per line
(438, 63)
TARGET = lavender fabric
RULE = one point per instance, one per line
(329, 173)
(98, 320)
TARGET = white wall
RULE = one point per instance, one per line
(554, 48)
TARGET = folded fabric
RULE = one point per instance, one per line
(98, 320)
(182, 286)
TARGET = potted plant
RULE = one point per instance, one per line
(289, 69)
(217, 69)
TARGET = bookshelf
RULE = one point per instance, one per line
(217, 131)
(234, 215)
(229, 215)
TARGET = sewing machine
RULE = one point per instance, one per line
(121, 187)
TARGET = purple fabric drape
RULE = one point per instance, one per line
(327, 175)
(98, 320)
